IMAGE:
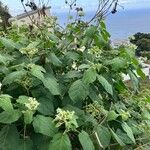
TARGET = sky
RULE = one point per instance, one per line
(15, 6)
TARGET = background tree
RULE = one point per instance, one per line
(4, 16)
(142, 41)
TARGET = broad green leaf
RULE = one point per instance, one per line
(60, 142)
(72, 74)
(44, 125)
(116, 137)
(5, 58)
(124, 137)
(134, 80)
(26, 144)
(90, 31)
(9, 138)
(112, 115)
(72, 56)
(141, 73)
(28, 116)
(37, 71)
(54, 60)
(128, 130)
(51, 84)
(9, 44)
(5, 102)
(95, 95)
(54, 38)
(105, 34)
(104, 136)
(10, 116)
(46, 106)
(89, 76)
(13, 77)
(118, 63)
(23, 99)
(106, 85)
(78, 91)
(103, 25)
(85, 141)
(84, 66)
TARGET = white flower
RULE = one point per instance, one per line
(74, 66)
(32, 104)
(81, 49)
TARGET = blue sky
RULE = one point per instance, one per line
(15, 6)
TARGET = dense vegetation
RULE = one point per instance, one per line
(4, 16)
(63, 90)
(142, 41)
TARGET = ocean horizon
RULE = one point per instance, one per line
(121, 25)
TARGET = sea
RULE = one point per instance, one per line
(121, 25)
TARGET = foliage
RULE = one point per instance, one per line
(63, 89)
(142, 41)
(4, 16)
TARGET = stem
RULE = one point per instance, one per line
(24, 132)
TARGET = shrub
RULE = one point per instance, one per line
(142, 41)
(63, 89)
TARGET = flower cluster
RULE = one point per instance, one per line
(29, 51)
(96, 110)
(67, 118)
(125, 115)
(96, 51)
(32, 104)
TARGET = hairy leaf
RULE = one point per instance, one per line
(78, 91)
(60, 142)
(44, 125)
(85, 141)
(106, 85)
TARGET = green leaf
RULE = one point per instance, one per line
(33, 45)
(134, 80)
(112, 115)
(89, 76)
(128, 130)
(13, 77)
(46, 106)
(54, 60)
(118, 63)
(60, 142)
(72, 56)
(9, 138)
(28, 116)
(116, 137)
(141, 73)
(103, 136)
(37, 71)
(85, 141)
(9, 44)
(106, 85)
(5, 102)
(10, 116)
(103, 25)
(90, 31)
(51, 84)
(23, 99)
(84, 66)
(78, 91)
(44, 125)
(5, 58)
(72, 74)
